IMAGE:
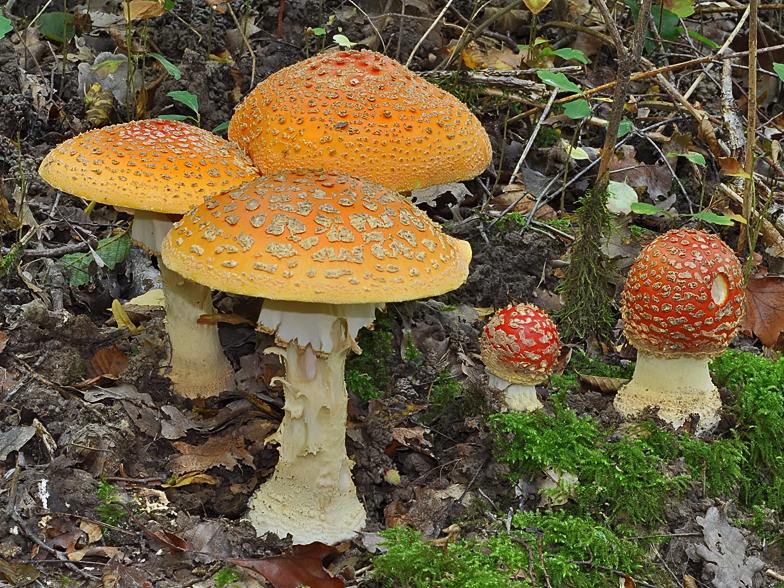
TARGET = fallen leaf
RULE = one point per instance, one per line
(413, 438)
(190, 478)
(764, 316)
(231, 319)
(17, 573)
(601, 384)
(95, 551)
(122, 318)
(144, 9)
(225, 451)
(656, 178)
(300, 565)
(93, 530)
(3, 339)
(109, 361)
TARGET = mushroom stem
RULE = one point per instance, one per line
(199, 368)
(311, 494)
(680, 387)
(518, 397)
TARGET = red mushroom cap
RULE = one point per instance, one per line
(683, 296)
(520, 344)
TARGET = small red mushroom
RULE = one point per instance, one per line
(682, 304)
(519, 347)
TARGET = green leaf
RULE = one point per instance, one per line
(108, 67)
(343, 41)
(682, 8)
(186, 98)
(577, 109)
(692, 156)
(705, 40)
(168, 65)
(621, 197)
(5, 26)
(625, 127)
(318, 31)
(567, 53)
(52, 26)
(558, 80)
(779, 69)
(221, 127)
(112, 251)
(712, 217)
(644, 208)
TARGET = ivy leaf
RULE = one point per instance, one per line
(343, 41)
(622, 197)
(644, 208)
(168, 65)
(558, 80)
(5, 26)
(577, 109)
(186, 98)
(565, 53)
(779, 69)
(53, 24)
(716, 219)
(625, 127)
(110, 251)
(221, 127)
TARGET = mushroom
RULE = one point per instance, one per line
(519, 347)
(362, 113)
(159, 168)
(325, 250)
(682, 304)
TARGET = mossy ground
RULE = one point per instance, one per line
(627, 479)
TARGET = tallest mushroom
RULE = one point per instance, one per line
(362, 113)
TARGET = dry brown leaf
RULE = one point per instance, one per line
(601, 384)
(217, 5)
(765, 309)
(3, 340)
(628, 582)
(300, 565)
(109, 361)
(689, 581)
(17, 573)
(143, 9)
(656, 178)
(95, 551)
(226, 451)
(413, 438)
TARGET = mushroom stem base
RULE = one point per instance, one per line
(199, 368)
(517, 397)
(679, 387)
(311, 494)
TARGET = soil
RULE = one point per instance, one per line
(129, 430)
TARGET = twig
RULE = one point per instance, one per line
(749, 199)
(427, 32)
(247, 45)
(541, 561)
(34, 538)
(531, 139)
(82, 247)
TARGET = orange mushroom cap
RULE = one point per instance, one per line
(156, 165)
(362, 113)
(315, 236)
(683, 296)
(520, 344)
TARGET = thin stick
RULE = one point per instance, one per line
(247, 46)
(427, 32)
(531, 139)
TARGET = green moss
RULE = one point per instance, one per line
(580, 363)
(444, 392)
(226, 577)
(547, 137)
(366, 374)
(626, 479)
(506, 557)
(637, 231)
(588, 286)
(759, 407)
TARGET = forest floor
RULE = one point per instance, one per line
(109, 478)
